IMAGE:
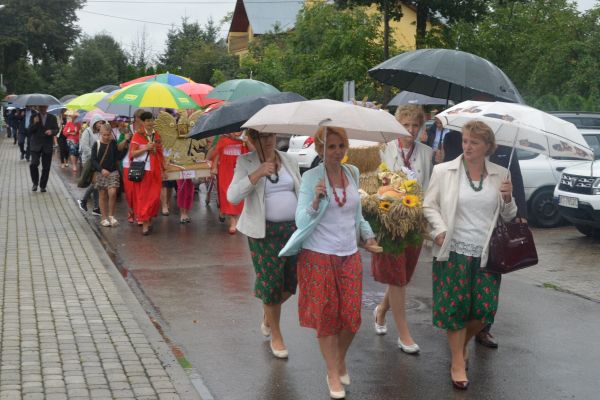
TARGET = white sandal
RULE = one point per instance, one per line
(105, 223)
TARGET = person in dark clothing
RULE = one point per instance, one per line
(63, 148)
(452, 149)
(42, 129)
(105, 157)
(22, 137)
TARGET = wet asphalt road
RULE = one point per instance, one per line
(198, 282)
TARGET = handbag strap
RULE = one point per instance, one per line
(148, 152)
(105, 152)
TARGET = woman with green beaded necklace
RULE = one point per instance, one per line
(463, 202)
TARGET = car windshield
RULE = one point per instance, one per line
(583, 121)
(594, 142)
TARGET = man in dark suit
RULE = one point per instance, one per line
(42, 129)
(452, 149)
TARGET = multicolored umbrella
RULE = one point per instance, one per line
(238, 88)
(168, 78)
(105, 116)
(198, 92)
(86, 101)
(153, 94)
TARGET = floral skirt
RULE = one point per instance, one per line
(395, 270)
(113, 180)
(274, 275)
(463, 292)
(330, 292)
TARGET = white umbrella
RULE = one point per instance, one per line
(305, 118)
(521, 126)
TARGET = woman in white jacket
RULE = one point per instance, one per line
(465, 198)
(268, 181)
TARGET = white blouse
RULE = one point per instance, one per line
(280, 198)
(336, 232)
(474, 214)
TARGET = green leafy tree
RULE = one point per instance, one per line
(35, 31)
(196, 51)
(548, 102)
(327, 47)
(573, 102)
(544, 46)
(98, 61)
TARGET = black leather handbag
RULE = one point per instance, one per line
(138, 168)
(511, 248)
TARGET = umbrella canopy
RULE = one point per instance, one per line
(238, 88)
(104, 115)
(231, 116)
(10, 97)
(198, 92)
(406, 97)
(106, 88)
(169, 79)
(86, 101)
(55, 110)
(305, 117)
(67, 97)
(112, 108)
(521, 126)
(447, 74)
(35, 99)
(152, 94)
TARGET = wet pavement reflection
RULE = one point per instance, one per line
(199, 281)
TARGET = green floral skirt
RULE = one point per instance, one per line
(463, 292)
(274, 275)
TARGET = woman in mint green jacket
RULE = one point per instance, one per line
(330, 226)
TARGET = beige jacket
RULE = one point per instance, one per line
(252, 222)
(441, 199)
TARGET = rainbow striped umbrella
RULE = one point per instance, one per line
(153, 94)
(169, 79)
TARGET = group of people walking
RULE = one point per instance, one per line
(305, 232)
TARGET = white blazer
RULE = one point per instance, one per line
(420, 160)
(252, 222)
(441, 200)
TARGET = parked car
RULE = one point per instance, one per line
(580, 119)
(302, 148)
(577, 196)
(540, 176)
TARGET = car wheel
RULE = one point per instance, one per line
(589, 231)
(544, 211)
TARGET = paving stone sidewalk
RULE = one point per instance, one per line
(70, 328)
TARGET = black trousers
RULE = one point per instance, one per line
(24, 145)
(63, 148)
(34, 170)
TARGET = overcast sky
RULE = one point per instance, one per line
(159, 15)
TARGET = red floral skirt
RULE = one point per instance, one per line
(395, 270)
(330, 292)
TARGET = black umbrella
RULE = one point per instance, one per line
(36, 99)
(231, 116)
(405, 97)
(447, 74)
(67, 97)
(107, 88)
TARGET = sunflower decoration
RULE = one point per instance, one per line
(395, 210)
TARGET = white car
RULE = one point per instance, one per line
(302, 148)
(540, 175)
(578, 196)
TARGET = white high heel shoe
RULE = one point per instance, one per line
(412, 349)
(340, 394)
(379, 329)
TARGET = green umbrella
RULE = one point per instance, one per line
(153, 94)
(238, 88)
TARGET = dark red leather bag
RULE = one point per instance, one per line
(511, 248)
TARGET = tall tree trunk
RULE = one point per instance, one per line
(386, 49)
(422, 17)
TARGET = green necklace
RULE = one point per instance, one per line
(475, 188)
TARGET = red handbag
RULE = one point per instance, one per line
(511, 248)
